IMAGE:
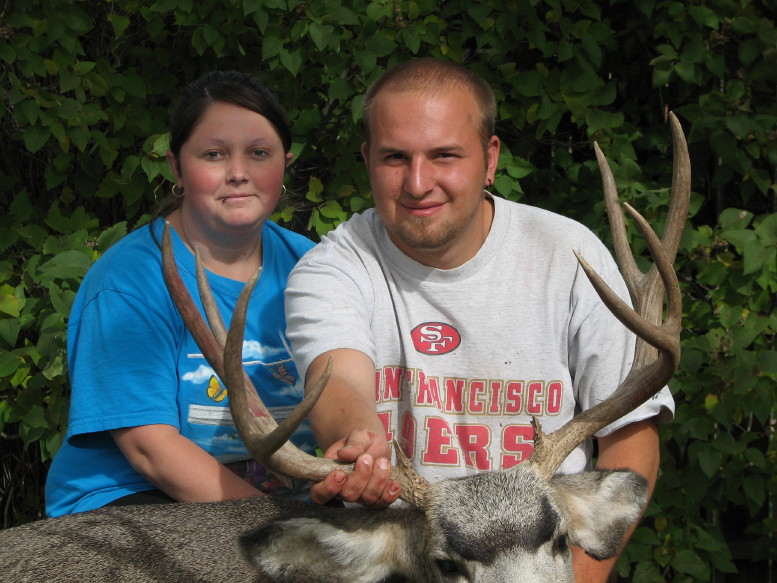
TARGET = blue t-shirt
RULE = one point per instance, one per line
(133, 362)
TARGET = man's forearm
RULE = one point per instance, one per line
(348, 401)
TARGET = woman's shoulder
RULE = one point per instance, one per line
(277, 236)
(131, 263)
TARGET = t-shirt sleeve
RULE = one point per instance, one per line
(329, 305)
(122, 365)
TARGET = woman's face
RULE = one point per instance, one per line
(231, 171)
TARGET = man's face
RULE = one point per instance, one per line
(427, 170)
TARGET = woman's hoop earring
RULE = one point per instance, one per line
(283, 190)
(176, 192)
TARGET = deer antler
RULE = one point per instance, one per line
(657, 351)
(267, 441)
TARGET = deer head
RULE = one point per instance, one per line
(507, 525)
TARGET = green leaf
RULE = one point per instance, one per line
(749, 51)
(686, 561)
(35, 137)
(10, 305)
(735, 219)
(83, 67)
(9, 330)
(709, 461)
(111, 235)
(315, 188)
(35, 417)
(333, 210)
(119, 23)
(9, 362)
(767, 361)
(292, 60)
(320, 34)
(67, 265)
(740, 238)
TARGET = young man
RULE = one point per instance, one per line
(453, 317)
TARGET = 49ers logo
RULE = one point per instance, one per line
(435, 338)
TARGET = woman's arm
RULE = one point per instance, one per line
(178, 466)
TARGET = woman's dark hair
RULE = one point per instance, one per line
(225, 87)
(220, 87)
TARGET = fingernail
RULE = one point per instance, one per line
(383, 463)
(366, 459)
(339, 477)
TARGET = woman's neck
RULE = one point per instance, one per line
(236, 257)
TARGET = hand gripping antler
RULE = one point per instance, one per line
(267, 441)
(657, 351)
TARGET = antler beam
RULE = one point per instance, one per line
(267, 441)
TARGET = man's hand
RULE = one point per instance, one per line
(369, 483)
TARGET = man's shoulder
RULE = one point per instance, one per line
(353, 238)
(539, 224)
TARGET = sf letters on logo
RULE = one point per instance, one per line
(435, 338)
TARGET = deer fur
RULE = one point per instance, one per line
(492, 527)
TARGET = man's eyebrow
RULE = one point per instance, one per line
(437, 150)
(451, 148)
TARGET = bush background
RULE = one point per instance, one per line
(87, 86)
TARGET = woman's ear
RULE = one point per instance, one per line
(173, 162)
(289, 158)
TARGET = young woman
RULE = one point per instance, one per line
(149, 420)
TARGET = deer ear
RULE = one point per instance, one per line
(599, 507)
(332, 548)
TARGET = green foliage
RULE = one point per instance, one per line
(86, 90)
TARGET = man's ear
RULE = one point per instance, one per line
(366, 154)
(492, 157)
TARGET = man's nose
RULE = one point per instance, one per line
(419, 179)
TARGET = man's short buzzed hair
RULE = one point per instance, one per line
(434, 75)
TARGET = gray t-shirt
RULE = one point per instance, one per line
(465, 357)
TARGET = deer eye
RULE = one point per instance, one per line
(560, 545)
(447, 566)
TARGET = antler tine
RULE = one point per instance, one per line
(265, 440)
(679, 202)
(208, 301)
(657, 351)
(279, 433)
